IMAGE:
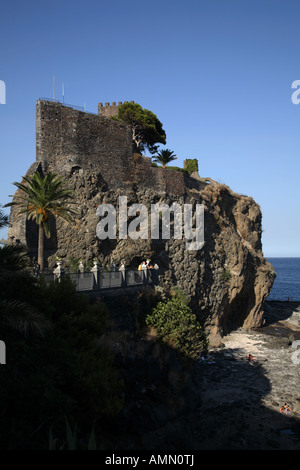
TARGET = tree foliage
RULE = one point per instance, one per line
(164, 157)
(191, 165)
(64, 374)
(41, 197)
(16, 310)
(176, 325)
(147, 130)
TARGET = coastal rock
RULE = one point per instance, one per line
(227, 280)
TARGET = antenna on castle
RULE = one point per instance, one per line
(63, 92)
(54, 87)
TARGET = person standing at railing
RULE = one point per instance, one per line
(142, 266)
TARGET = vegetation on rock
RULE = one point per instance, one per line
(191, 165)
(164, 157)
(147, 130)
(178, 326)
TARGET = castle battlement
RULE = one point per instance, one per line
(109, 110)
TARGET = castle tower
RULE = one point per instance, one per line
(109, 110)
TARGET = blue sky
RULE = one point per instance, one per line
(217, 73)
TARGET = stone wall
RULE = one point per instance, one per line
(110, 110)
(68, 139)
(227, 281)
(162, 180)
(72, 142)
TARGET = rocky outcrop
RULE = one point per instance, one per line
(227, 280)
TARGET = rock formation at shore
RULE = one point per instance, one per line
(227, 280)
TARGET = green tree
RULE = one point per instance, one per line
(16, 311)
(66, 373)
(147, 130)
(177, 326)
(41, 197)
(164, 157)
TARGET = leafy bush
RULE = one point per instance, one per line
(191, 165)
(176, 325)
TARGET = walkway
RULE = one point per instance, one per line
(104, 281)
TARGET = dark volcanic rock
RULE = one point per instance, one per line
(227, 280)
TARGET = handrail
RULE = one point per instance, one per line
(105, 280)
(73, 106)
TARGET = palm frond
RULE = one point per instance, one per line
(22, 317)
(165, 156)
(13, 259)
(3, 219)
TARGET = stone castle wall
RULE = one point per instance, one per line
(71, 142)
(110, 110)
(68, 140)
(227, 281)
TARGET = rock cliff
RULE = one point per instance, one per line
(227, 280)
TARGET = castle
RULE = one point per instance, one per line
(110, 110)
(227, 281)
(69, 141)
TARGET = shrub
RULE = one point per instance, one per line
(226, 275)
(175, 168)
(191, 165)
(176, 325)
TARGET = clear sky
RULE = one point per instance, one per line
(217, 73)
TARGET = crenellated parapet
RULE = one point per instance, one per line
(110, 110)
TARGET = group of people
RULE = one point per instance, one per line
(147, 265)
(286, 409)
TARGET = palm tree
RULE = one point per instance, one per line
(41, 197)
(3, 220)
(15, 312)
(164, 157)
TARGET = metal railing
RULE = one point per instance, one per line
(105, 280)
(77, 108)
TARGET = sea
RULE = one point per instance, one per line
(287, 283)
